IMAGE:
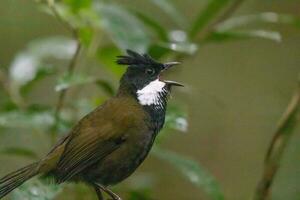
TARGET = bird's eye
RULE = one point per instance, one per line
(150, 71)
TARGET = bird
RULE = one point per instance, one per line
(107, 145)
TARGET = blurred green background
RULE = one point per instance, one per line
(236, 90)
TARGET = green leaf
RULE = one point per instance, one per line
(77, 5)
(7, 104)
(181, 47)
(126, 31)
(71, 17)
(192, 171)
(19, 119)
(107, 57)
(207, 15)
(23, 68)
(245, 34)
(57, 47)
(42, 73)
(18, 151)
(158, 51)
(30, 62)
(36, 189)
(85, 35)
(176, 119)
(106, 87)
(153, 25)
(179, 42)
(266, 17)
(140, 194)
(68, 81)
(168, 7)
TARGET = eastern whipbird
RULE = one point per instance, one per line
(107, 145)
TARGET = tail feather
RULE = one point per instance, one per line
(17, 178)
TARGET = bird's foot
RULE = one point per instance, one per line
(115, 198)
(113, 195)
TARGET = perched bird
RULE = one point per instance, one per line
(107, 145)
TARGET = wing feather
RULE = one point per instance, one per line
(92, 140)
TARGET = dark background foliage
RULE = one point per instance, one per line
(240, 64)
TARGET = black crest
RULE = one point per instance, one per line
(135, 59)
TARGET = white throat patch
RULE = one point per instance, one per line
(150, 94)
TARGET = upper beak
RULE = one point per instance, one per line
(166, 67)
(170, 64)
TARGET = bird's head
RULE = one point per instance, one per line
(144, 77)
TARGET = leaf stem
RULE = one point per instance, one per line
(277, 147)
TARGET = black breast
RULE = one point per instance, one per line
(157, 113)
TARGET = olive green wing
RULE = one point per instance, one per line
(90, 142)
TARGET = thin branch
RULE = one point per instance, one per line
(70, 71)
(62, 95)
(66, 24)
(71, 67)
(277, 146)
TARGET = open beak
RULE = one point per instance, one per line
(168, 66)
(173, 83)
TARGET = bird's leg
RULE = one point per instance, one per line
(109, 192)
(98, 192)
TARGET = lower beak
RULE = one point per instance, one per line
(168, 66)
(173, 83)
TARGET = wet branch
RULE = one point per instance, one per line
(277, 147)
